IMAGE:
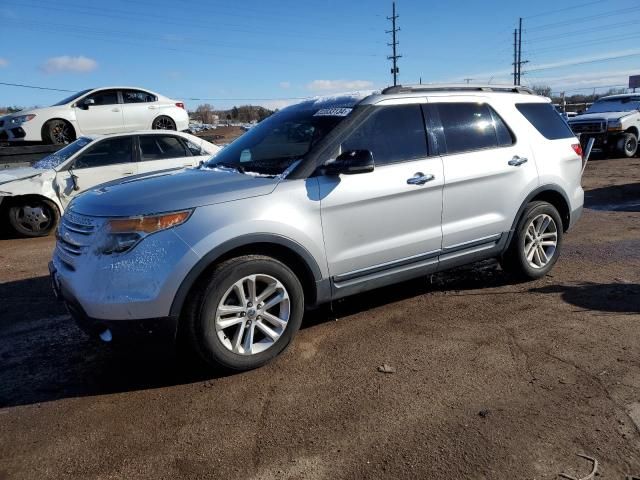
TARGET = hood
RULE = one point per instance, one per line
(13, 174)
(600, 116)
(170, 191)
(35, 111)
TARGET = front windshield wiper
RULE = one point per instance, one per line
(233, 166)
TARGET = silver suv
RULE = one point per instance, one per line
(324, 199)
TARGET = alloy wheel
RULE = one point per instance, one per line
(163, 123)
(252, 314)
(33, 219)
(541, 241)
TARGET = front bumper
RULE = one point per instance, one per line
(20, 133)
(118, 331)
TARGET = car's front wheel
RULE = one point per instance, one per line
(164, 123)
(535, 245)
(627, 145)
(33, 217)
(245, 313)
(58, 132)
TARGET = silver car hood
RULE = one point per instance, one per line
(170, 191)
(13, 174)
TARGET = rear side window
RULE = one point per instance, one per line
(137, 96)
(393, 134)
(546, 120)
(159, 147)
(472, 126)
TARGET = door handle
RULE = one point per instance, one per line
(152, 107)
(516, 161)
(127, 173)
(115, 109)
(420, 178)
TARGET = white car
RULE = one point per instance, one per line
(95, 111)
(35, 197)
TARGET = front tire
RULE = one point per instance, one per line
(245, 313)
(535, 246)
(163, 123)
(627, 145)
(33, 217)
(58, 132)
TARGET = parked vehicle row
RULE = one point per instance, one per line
(95, 111)
(321, 200)
(33, 198)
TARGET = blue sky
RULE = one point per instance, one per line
(276, 51)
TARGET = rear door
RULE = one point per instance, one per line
(487, 170)
(160, 152)
(108, 159)
(139, 108)
(104, 116)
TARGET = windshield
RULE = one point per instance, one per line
(625, 104)
(56, 158)
(71, 98)
(274, 144)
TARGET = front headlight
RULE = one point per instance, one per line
(614, 125)
(22, 119)
(122, 234)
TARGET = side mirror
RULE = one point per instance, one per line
(87, 102)
(74, 180)
(351, 163)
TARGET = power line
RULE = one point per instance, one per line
(394, 57)
(582, 19)
(35, 87)
(584, 62)
(550, 12)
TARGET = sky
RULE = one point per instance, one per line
(275, 52)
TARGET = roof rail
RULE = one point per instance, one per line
(457, 87)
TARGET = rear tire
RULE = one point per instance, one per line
(33, 217)
(627, 145)
(58, 132)
(535, 246)
(163, 123)
(239, 334)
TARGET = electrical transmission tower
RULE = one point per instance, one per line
(394, 43)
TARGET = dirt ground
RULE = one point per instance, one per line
(494, 379)
(221, 135)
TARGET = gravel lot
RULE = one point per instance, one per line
(493, 379)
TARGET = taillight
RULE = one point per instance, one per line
(577, 148)
(180, 104)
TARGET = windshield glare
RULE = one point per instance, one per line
(615, 105)
(71, 98)
(274, 144)
(56, 158)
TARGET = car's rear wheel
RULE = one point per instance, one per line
(245, 313)
(535, 245)
(164, 123)
(58, 132)
(33, 217)
(627, 145)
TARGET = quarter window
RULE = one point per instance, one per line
(160, 147)
(393, 134)
(472, 126)
(137, 96)
(107, 152)
(546, 120)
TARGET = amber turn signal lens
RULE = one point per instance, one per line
(148, 224)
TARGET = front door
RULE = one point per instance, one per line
(388, 220)
(103, 116)
(107, 160)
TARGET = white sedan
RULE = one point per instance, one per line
(36, 196)
(95, 111)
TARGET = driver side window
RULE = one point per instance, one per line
(108, 152)
(104, 97)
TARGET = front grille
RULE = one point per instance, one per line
(74, 235)
(589, 127)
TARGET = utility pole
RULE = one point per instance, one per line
(515, 56)
(394, 58)
(520, 51)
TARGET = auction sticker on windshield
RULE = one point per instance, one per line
(333, 112)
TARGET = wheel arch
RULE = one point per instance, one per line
(632, 129)
(552, 194)
(288, 251)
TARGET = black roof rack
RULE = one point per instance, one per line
(457, 87)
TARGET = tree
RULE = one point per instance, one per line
(543, 90)
(204, 113)
(234, 113)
